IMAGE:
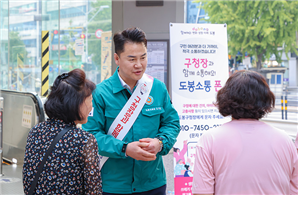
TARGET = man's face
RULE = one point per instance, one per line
(132, 62)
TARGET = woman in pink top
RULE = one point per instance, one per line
(296, 142)
(245, 155)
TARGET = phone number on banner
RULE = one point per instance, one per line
(198, 127)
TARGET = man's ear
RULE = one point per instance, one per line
(116, 58)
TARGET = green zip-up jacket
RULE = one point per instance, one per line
(121, 174)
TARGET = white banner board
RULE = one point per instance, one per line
(79, 46)
(106, 55)
(199, 68)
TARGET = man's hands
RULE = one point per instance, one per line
(145, 149)
(153, 145)
(136, 151)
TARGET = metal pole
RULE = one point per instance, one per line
(18, 81)
(9, 78)
(285, 107)
(59, 40)
(282, 107)
(197, 16)
(1, 135)
(87, 17)
(234, 64)
(8, 46)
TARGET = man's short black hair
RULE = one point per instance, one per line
(245, 95)
(68, 92)
(134, 35)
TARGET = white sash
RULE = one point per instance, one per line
(129, 113)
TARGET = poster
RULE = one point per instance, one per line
(199, 69)
(79, 46)
(157, 59)
(106, 55)
(26, 116)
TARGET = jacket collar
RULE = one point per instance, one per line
(117, 87)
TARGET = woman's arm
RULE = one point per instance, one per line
(92, 178)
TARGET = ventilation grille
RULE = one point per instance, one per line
(149, 3)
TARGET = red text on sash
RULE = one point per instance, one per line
(126, 116)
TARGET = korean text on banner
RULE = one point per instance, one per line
(199, 61)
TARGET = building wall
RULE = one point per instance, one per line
(292, 69)
(293, 72)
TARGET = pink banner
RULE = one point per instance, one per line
(183, 185)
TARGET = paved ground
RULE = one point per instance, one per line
(11, 182)
(168, 163)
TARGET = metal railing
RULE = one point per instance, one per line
(21, 111)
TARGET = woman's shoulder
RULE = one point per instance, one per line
(84, 135)
(44, 124)
(39, 128)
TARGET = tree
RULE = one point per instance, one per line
(260, 28)
(102, 20)
(69, 54)
(17, 46)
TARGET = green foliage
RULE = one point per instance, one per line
(69, 54)
(17, 46)
(103, 21)
(257, 27)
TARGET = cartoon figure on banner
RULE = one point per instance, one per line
(180, 154)
(179, 170)
(182, 168)
(188, 172)
(189, 163)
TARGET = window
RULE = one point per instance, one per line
(64, 56)
(279, 79)
(273, 79)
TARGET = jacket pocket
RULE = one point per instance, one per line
(149, 121)
(112, 113)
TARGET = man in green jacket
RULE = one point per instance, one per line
(135, 164)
